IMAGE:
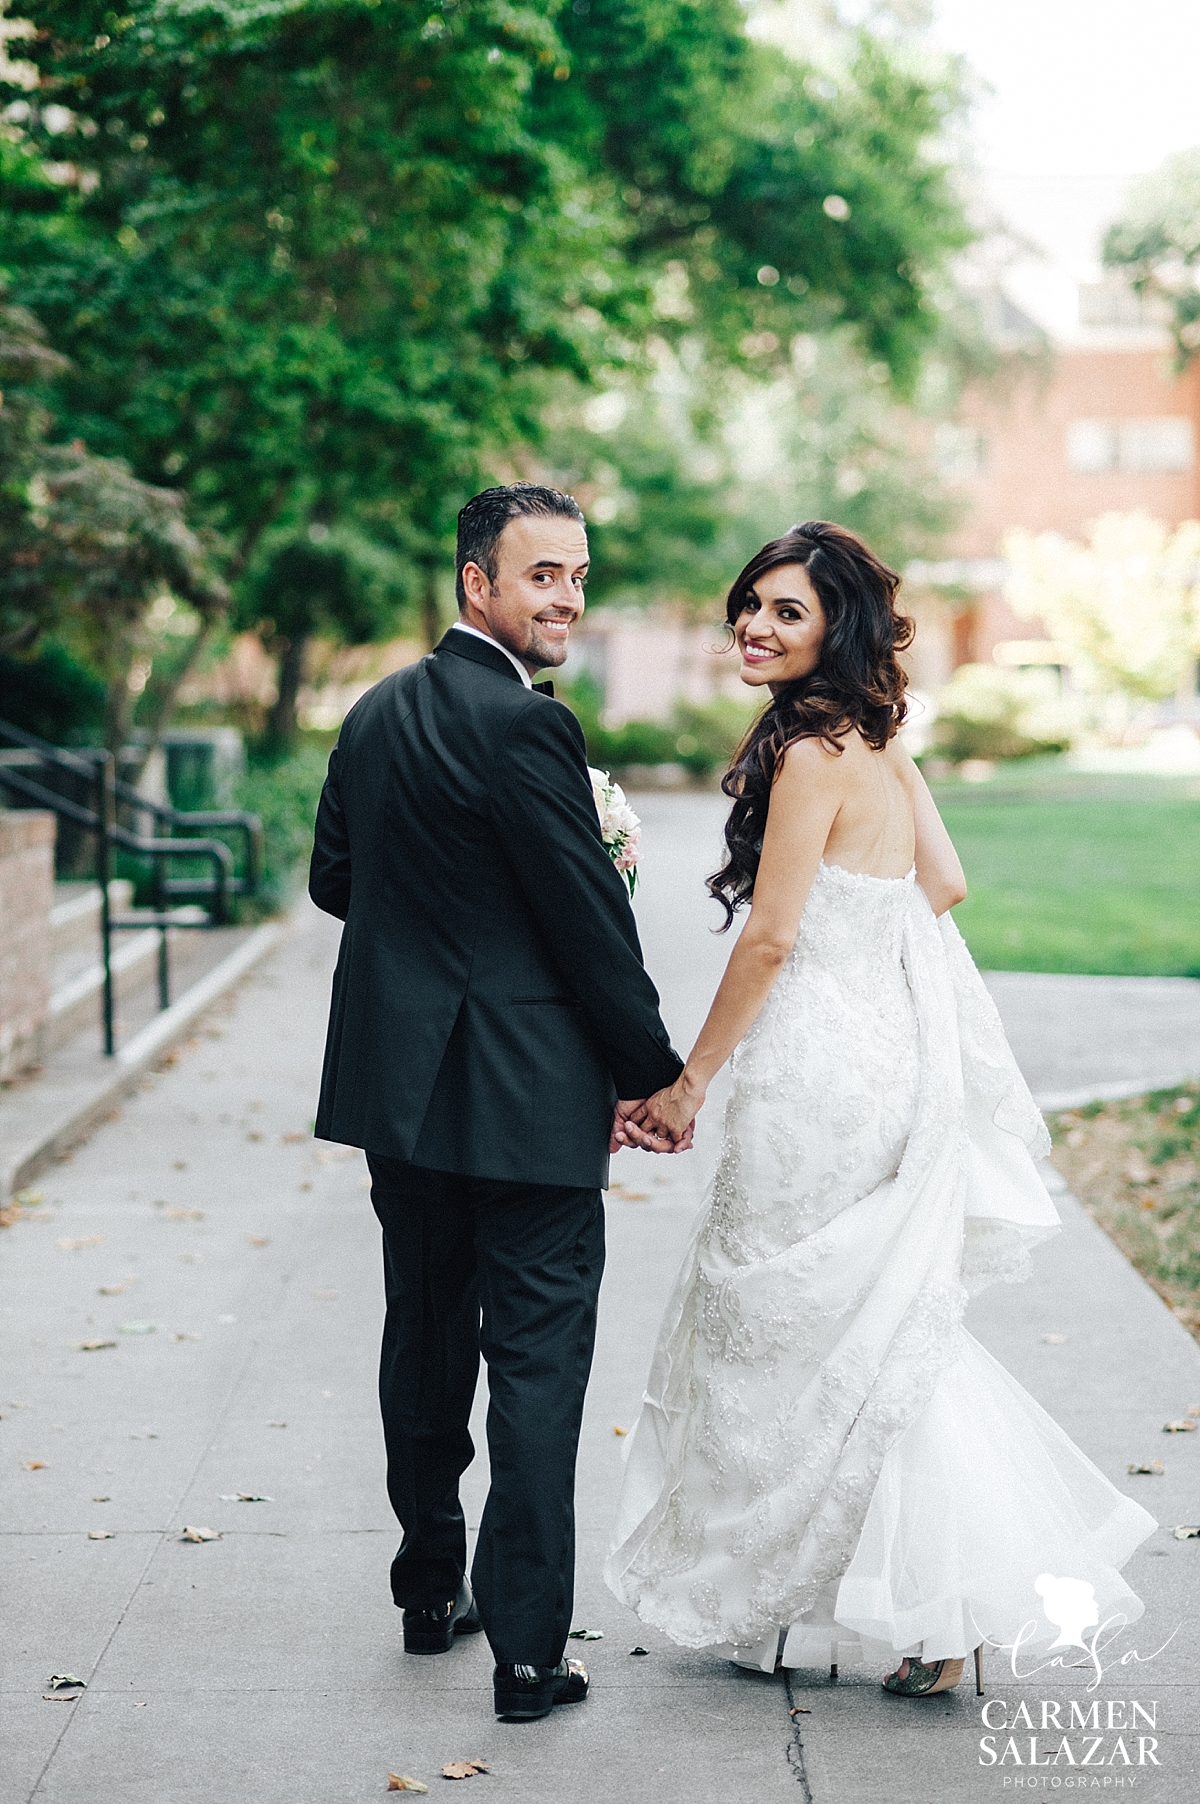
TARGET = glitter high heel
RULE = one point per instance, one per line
(924, 1679)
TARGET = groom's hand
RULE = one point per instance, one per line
(621, 1123)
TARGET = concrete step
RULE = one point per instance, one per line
(75, 1000)
(75, 916)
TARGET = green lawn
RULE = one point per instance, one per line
(1079, 873)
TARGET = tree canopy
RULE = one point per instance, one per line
(321, 266)
(85, 546)
(313, 256)
(1157, 243)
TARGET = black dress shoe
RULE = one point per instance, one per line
(524, 1693)
(433, 1631)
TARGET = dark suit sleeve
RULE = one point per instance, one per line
(329, 870)
(542, 809)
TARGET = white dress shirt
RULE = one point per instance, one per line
(460, 626)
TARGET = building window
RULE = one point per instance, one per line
(1133, 446)
(1112, 303)
(958, 450)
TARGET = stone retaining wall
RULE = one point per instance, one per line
(26, 897)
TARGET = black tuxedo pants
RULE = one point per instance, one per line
(513, 1271)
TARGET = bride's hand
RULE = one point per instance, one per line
(665, 1122)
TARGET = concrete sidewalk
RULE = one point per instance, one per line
(235, 1266)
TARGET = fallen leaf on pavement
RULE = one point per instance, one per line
(464, 1769)
(396, 1781)
(101, 1534)
(34, 1465)
(617, 1430)
(1187, 1531)
(137, 1327)
(94, 1346)
(259, 1240)
(1154, 1469)
(198, 1534)
(1179, 1427)
(586, 1635)
(73, 1246)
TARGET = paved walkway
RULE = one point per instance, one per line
(235, 1266)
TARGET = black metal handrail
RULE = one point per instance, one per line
(96, 768)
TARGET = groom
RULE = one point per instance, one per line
(489, 1008)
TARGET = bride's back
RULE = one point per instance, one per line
(874, 831)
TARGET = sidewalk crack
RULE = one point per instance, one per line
(795, 1744)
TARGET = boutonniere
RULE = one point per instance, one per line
(620, 828)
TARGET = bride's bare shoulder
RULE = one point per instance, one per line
(807, 760)
(901, 761)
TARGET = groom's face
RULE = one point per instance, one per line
(537, 595)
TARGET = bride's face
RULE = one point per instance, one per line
(780, 628)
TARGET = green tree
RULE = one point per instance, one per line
(315, 260)
(337, 586)
(87, 551)
(1156, 242)
(683, 478)
(1125, 606)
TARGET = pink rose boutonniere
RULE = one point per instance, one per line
(620, 828)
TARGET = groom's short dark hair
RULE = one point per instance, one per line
(486, 515)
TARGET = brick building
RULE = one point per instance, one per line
(1101, 423)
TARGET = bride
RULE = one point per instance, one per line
(827, 1465)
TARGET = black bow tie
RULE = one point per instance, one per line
(544, 688)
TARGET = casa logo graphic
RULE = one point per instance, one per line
(1108, 1732)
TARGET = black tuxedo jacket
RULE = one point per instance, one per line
(490, 1000)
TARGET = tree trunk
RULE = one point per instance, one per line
(160, 719)
(282, 724)
(256, 529)
(119, 704)
(431, 619)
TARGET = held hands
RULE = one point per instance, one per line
(665, 1123)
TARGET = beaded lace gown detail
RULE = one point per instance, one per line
(823, 1448)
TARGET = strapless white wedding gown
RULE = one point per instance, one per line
(823, 1449)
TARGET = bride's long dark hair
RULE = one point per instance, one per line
(858, 683)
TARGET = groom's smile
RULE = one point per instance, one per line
(535, 595)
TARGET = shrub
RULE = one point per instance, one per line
(701, 738)
(284, 794)
(988, 712)
(708, 736)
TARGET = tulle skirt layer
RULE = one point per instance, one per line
(979, 1499)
